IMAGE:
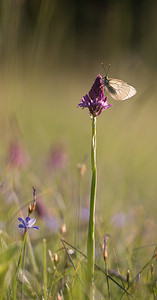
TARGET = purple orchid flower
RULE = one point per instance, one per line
(95, 100)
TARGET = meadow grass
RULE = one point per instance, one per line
(39, 110)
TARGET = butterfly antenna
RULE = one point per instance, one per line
(108, 69)
(103, 67)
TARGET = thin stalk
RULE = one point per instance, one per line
(44, 269)
(78, 215)
(108, 286)
(32, 256)
(91, 226)
(19, 267)
(24, 255)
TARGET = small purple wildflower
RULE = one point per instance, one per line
(119, 219)
(105, 240)
(18, 156)
(28, 223)
(137, 278)
(58, 157)
(95, 100)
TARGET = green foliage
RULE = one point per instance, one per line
(7, 264)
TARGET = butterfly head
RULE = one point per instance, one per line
(105, 81)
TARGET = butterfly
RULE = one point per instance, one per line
(118, 89)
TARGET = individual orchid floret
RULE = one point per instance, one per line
(95, 100)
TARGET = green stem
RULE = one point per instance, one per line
(32, 256)
(19, 266)
(108, 287)
(24, 255)
(78, 215)
(45, 269)
(91, 226)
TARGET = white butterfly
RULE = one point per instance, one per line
(118, 89)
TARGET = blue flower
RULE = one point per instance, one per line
(28, 223)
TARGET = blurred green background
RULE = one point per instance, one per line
(50, 54)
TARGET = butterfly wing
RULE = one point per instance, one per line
(118, 89)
